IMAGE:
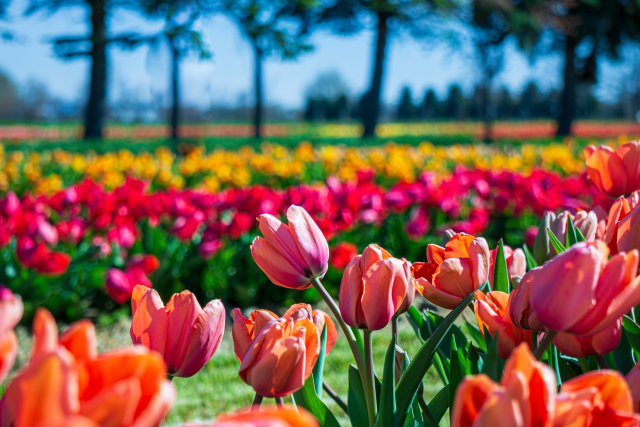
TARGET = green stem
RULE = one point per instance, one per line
(602, 364)
(544, 344)
(280, 403)
(584, 364)
(257, 401)
(394, 327)
(332, 394)
(371, 379)
(348, 333)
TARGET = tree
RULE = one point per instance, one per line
(327, 98)
(430, 105)
(93, 45)
(8, 96)
(388, 17)
(406, 109)
(272, 27)
(583, 30)
(455, 104)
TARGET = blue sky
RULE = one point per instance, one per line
(228, 76)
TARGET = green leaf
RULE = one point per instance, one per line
(357, 402)
(559, 248)
(572, 236)
(433, 321)
(416, 321)
(475, 334)
(412, 378)
(500, 273)
(359, 339)
(474, 360)
(387, 415)
(492, 363)
(531, 261)
(439, 404)
(456, 370)
(623, 355)
(581, 237)
(319, 366)
(556, 367)
(632, 331)
(309, 400)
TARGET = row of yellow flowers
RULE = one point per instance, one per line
(44, 171)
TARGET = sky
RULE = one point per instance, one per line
(227, 77)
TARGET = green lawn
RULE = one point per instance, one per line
(217, 387)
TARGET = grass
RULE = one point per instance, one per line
(217, 387)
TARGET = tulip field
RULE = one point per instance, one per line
(410, 284)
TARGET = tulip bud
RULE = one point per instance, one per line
(541, 245)
(281, 357)
(186, 335)
(373, 287)
(291, 255)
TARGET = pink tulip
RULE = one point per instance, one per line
(10, 205)
(373, 287)
(600, 343)
(119, 284)
(582, 292)
(516, 262)
(186, 335)
(11, 309)
(291, 255)
(47, 232)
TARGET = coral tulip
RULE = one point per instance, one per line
(291, 255)
(66, 383)
(614, 173)
(281, 357)
(186, 335)
(11, 309)
(452, 272)
(516, 262)
(492, 312)
(410, 297)
(525, 396)
(633, 380)
(600, 343)
(267, 417)
(623, 225)
(246, 329)
(373, 287)
(581, 292)
(595, 399)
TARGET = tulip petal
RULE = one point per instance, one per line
(322, 319)
(619, 209)
(372, 254)
(149, 325)
(480, 262)
(458, 246)
(206, 337)
(607, 171)
(80, 340)
(471, 396)
(276, 267)
(628, 232)
(311, 242)
(620, 305)
(45, 334)
(435, 295)
(279, 236)
(613, 391)
(240, 333)
(158, 407)
(601, 343)
(182, 311)
(454, 276)
(500, 410)
(385, 287)
(435, 254)
(8, 353)
(351, 289)
(629, 153)
(114, 406)
(11, 310)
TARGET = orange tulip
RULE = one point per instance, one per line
(452, 272)
(267, 417)
(291, 255)
(595, 399)
(525, 396)
(492, 312)
(280, 358)
(66, 383)
(581, 291)
(623, 225)
(245, 329)
(600, 343)
(11, 309)
(614, 173)
(186, 335)
(374, 286)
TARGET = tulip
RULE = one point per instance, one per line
(245, 329)
(374, 286)
(52, 264)
(267, 417)
(186, 335)
(581, 292)
(411, 294)
(47, 232)
(452, 272)
(595, 399)
(29, 252)
(600, 343)
(633, 380)
(66, 382)
(519, 304)
(492, 312)
(281, 357)
(291, 255)
(119, 284)
(516, 262)
(147, 263)
(11, 309)
(10, 205)
(614, 173)
(341, 254)
(525, 396)
(622, 226)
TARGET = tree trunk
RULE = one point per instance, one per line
(568, 101)
(370, 105)
(257, 113)
(94, 118)
(175, 88)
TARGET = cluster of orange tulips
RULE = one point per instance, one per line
(553, 341)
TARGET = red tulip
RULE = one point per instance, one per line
(52, 263)
(615, 173)
(186, 335)
(291, 255)
(147, 263)
(281, 357)
(28, 251)
(492, 312)
(341, 254)
(373, 287)
(452, 272)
